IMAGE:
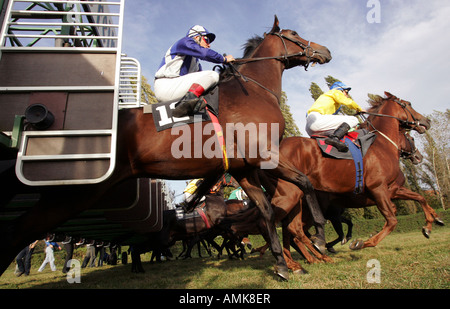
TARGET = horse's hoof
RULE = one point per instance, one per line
(283, 274)
(439, 221)
(300, 272)
(426, 232)
(356, 244)
(331, 250)
(319, 244)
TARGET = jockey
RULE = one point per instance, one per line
(322, 117)
(180, 76)
(238, 194)
(192, 187)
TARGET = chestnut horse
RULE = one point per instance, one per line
(336, 177)
(407, 150)
(144, 152)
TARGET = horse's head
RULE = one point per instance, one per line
(298, 51)
(408, 148)
(411, 118)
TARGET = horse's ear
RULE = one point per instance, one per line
(388, 94)
(276, 26)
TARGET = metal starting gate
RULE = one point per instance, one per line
(63, 79)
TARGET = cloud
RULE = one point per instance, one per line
(405, 55)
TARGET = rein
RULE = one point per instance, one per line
(403, 123)
(284, 58)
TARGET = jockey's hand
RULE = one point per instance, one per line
(229, 58)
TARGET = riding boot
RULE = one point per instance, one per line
(190, 103)
(335, 138)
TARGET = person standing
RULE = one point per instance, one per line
(50, 246)
(23, 259)
(89, 258)
(69, 247)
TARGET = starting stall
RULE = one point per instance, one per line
(63, 79)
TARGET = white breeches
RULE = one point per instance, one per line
(49, 258)
(319, 124)
(173, 89)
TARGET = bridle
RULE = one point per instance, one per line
(403, 123)
(408, 154)
(284, 58)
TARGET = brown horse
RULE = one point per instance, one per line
(333, 213)
(144, 152)
(336, 177)
(329, 201)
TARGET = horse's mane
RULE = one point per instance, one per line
(375, 101)
(249, 47)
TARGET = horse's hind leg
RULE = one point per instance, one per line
(337, 225)
(430, 215)
(287, 172)
(349, 229)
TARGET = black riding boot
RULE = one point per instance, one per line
(191, 103)
(334, 139)
(186, 105)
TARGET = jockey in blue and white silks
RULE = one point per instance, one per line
(180, 76)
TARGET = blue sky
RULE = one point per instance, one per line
(405, 53)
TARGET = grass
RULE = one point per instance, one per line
(407, 260)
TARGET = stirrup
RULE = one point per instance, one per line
(185, 107)
(334, 141)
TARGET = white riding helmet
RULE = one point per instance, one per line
(200, 30)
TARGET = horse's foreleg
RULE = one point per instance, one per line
(387, 208)
(292, 264)
(430, 215)
(252, 187)
(296, 229)
(261, 249)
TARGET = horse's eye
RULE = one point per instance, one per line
(294, 33)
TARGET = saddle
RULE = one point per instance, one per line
(162, 112)
(163, 119)
(358, 143)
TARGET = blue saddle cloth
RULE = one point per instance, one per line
(358, 143)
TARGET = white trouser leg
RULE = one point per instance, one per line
(173, 89)
(317, 123)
